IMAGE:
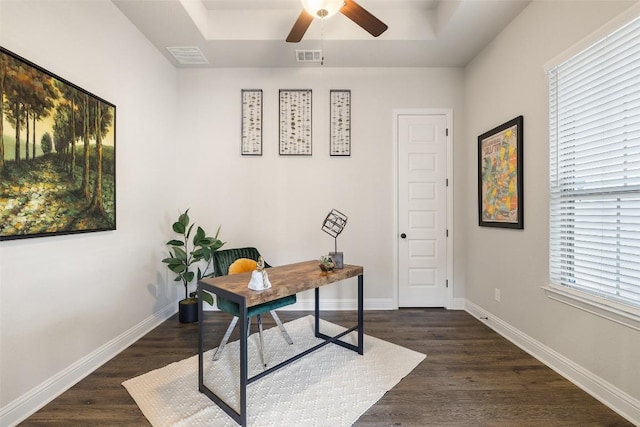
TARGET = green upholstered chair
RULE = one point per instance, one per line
(222, 260)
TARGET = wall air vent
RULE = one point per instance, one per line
(188, 55)
(309, 55)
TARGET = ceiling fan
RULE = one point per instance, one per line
(327, 8)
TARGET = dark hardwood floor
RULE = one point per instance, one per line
(471, 377)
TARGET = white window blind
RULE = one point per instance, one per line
(594, 129)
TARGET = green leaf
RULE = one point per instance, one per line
(206, 296)
(189, 232)
(177, 268)
(184, 218)
(189, 275)
(180, 254)
(175, 243)
(197, 253)
(199, 237)
(178, 227)
(207, 241)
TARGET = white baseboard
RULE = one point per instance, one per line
(611, 396)
(27, 404)
(458, 304)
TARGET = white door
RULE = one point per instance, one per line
(422, 210)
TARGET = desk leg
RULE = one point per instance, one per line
(361, 314)
(244, 379)
(317, 312)
(360, 327)
(200, 342)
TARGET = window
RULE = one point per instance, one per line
(594, 131)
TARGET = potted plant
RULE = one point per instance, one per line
(182, 259)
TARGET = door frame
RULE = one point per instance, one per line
(448, 113)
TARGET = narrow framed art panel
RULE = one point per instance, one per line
(57, 154)
(295, 122)
(500, 186)
(251, 122)
(340, 117)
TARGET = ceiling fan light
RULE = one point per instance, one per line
(322, 8)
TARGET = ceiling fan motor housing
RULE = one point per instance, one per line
(322, 8)
(326, 8)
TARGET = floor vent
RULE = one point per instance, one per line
(188, 55)
(309, 55)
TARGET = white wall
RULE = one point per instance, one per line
(504, 81)
(63, 300)
(278, 203)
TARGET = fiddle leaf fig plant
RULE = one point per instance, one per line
(183, 254)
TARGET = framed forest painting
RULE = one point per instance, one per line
(57, 154)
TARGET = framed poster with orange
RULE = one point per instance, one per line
(500, 186)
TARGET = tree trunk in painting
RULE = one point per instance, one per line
(85, 136)
(96, 203)
(73, 139)
(26, 140)
(17, 150)
(35, 116)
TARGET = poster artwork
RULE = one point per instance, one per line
(500, 176)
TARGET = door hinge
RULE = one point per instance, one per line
(447, 283)
(447, 182)
(447, 132)
(447, 233)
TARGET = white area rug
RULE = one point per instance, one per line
(332, 386)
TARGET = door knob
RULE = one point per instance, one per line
(404, 236)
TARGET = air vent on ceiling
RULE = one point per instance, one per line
(309, 55)
(188, 55)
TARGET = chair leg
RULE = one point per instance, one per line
(285, 334)
(225, 339)
(259, 316)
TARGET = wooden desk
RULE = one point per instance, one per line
(285, 280)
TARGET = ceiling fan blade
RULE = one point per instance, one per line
(300, 27)
(362, 17)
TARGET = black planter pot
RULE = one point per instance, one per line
(188, 310)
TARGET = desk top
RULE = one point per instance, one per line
(285, 280)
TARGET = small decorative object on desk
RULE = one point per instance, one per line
(259, 278)
(333, 225)
(326, 264)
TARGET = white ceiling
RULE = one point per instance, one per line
(251, 33)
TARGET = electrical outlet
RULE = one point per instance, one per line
(496, 294)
